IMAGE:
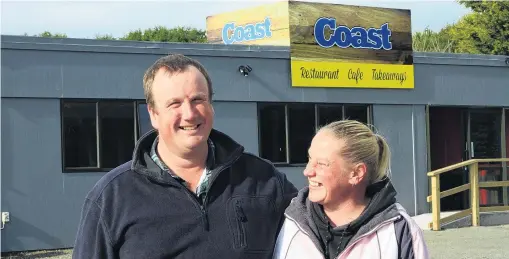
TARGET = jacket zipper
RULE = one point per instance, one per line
(241, 218)
(197, 204)
(382, 224)
(194, 199)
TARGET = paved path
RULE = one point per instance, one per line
(469, 243)
(464, 243)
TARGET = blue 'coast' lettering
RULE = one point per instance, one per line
(357, 37)
(245, 33)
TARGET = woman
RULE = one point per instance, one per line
(349, 209)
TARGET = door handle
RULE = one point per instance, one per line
(472, 149)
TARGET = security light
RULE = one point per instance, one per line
(244, 70)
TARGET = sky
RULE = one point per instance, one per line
(86, 19)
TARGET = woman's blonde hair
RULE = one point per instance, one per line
(363, 145)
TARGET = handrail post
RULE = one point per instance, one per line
(435, 201)
(474, 193)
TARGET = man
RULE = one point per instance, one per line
(190, 191)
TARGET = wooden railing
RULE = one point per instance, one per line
(473, 185)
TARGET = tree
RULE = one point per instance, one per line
(485, 31)
(462, 35)
(431, 41)
(158, 33)
(104, 37)
(163, 34)
(47, 34)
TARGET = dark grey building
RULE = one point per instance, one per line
(72, 109)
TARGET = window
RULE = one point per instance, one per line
(301, 121)
(79, 130)
(356, 112)
(97, 135)
(117, 130)
(273, 132)
(144, 119)
(329, 113)
(286, 130)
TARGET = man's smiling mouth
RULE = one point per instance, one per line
(190, 127)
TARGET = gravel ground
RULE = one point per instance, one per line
(464, 243)
(469, 243)
(50, 254)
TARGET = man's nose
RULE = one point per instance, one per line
(188, 111)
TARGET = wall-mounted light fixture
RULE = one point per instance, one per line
(244, 70)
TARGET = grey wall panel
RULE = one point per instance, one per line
(31, 73)
(421, 158)
(112, 75)
(295, 175)
(465, 85)
(95, 74)
(399, 123)
(44, 204)
(239, 121)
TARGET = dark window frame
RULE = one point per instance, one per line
(316, 106)
(138, 127)
(97, 168)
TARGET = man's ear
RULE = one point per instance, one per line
(153, 116)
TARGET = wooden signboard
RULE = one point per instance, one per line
(331, 45)
(335, 45)
(261, 25)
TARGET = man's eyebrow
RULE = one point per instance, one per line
(200, 94)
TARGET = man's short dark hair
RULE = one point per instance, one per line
(172, 63)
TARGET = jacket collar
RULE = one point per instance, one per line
(381, 208)
(226, 151)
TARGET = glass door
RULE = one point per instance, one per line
(484, 140)
(447, 138)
